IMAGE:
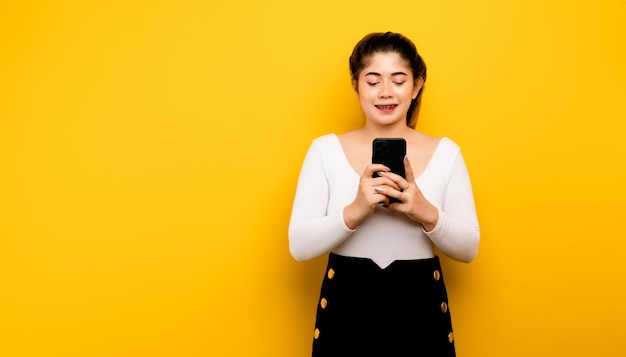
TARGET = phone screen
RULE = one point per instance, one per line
(390, 152)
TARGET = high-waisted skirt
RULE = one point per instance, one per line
(365, 310)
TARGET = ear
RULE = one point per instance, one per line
(418, 84)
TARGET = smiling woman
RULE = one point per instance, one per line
(387, 90)
(383, 293)
(404, 53)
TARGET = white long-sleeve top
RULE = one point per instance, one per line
(328, 183)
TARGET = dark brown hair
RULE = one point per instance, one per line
(385, 42)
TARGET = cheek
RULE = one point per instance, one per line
(366, 92)
(409, 92)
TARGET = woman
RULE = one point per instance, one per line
(383, 292)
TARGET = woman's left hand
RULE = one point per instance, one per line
(412, 201)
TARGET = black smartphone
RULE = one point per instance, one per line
(390, 152)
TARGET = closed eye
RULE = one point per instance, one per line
(371, 84)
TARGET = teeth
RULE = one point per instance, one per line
(386, 107)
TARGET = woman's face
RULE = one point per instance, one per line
(385, 88)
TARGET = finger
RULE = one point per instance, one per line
(387, 181)
(392, 193)
(383, 199)
(410, 177)
(372, 170)
(392, 180)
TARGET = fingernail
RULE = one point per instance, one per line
(381, 173)
(379, 189)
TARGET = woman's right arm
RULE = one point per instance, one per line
(313, 231)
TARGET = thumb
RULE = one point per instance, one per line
(410, 177)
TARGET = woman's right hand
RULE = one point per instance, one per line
(368, 196)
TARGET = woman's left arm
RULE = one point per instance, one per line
(457, 232)
(453, 227)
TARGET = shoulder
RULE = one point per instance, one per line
(326, 145)
(328, 139)
(447, 145)
(446, 152)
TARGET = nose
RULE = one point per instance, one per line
(385, 90)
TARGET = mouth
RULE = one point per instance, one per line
(386, 107)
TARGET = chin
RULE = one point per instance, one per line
(388, 122)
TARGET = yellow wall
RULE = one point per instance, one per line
(150, 150)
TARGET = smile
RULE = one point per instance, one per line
(386, 107)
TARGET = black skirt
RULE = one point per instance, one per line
(401, 310)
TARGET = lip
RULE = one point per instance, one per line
(386, 108)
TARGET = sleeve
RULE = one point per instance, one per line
(457, 233)
(313, 231)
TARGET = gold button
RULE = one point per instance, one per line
(316, 334)
(323, 303)
(437, 275)
(450, 337)
(331, 273)
(444, 307)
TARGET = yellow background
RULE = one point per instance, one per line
(150, 150)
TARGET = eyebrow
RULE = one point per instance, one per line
(378, 74)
